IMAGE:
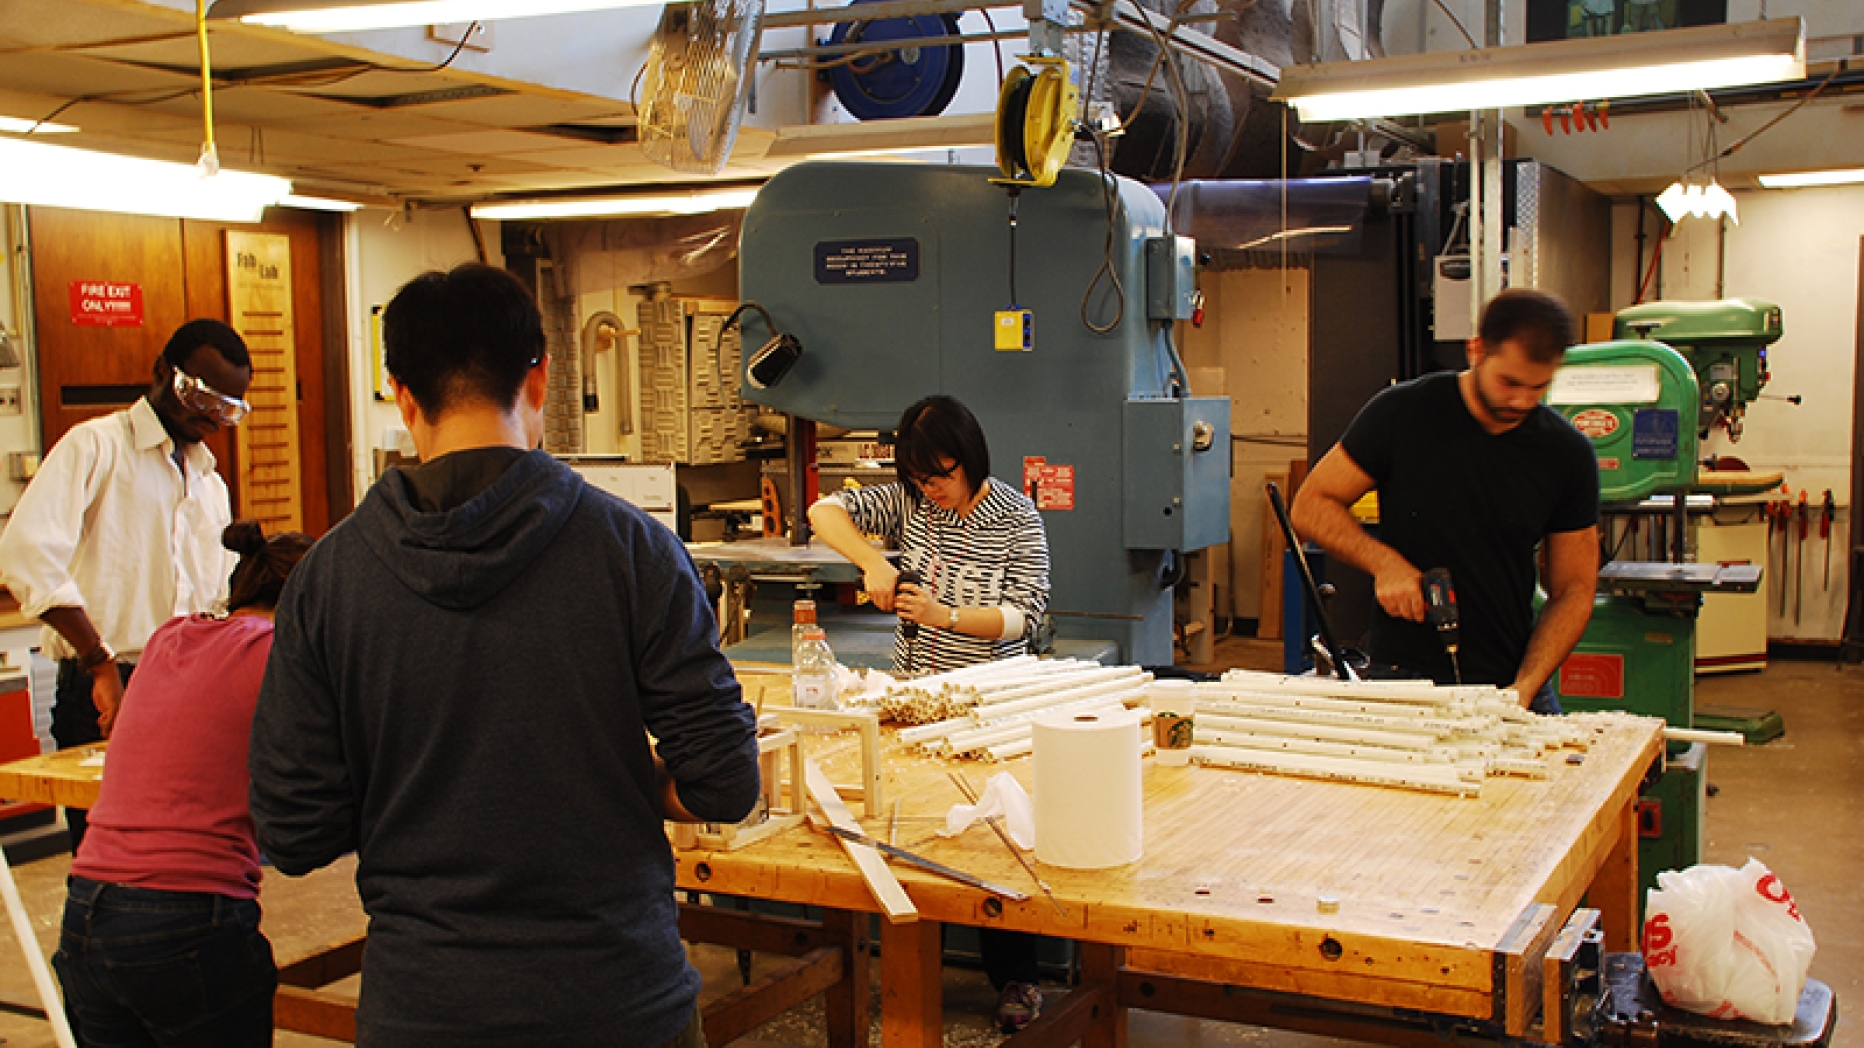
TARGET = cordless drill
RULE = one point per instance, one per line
(908, 629)
(1440, 613)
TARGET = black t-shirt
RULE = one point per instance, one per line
(1453, 496)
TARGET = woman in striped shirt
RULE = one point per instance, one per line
(971, 587)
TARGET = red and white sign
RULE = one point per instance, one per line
(1052, 487)
(1596, 423)
(1588, 676)
(106, 303)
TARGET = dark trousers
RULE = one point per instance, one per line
(74, 723)
(155, 969)
(1008, 956)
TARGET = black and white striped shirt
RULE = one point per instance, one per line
(997, 557)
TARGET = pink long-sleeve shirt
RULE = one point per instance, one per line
(173, 814)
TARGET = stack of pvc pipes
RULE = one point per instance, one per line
(1409, 735)
(991, 715)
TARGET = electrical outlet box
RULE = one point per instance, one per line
(1015, 330)
(22, 466)
(9, 400)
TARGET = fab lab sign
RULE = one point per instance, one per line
(106, 303)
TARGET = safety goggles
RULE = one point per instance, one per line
(198, 396)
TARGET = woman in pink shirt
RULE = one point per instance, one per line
(161, 942)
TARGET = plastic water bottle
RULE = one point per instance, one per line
(803, 619)
(812, 681)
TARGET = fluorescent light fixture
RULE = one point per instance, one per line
(693, 202)
(349, 16)
(317, 203)
(57, 176)
(1711, 201)
(13, 125)
(1670, 61)
(1801, 180)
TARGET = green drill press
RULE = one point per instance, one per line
(1725, 343)
(1641, 403)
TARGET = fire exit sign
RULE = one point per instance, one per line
(106, 303)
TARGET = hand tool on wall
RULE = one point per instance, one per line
(1440, 613)
(1799, 562)
(1771, 512)
(1782, 523)
(1828, 509)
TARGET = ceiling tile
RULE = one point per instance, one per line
(495, 143)
(72, 76)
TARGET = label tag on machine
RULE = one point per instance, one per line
(891, 261)
(1584, 676)
(1593, 384)
(1050, 487)
(1654, 433)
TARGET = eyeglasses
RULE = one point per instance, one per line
(921, 480)
(199, 396)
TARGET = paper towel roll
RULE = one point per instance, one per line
(1089, 801)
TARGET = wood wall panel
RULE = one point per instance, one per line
(87, 245)
(182, 268)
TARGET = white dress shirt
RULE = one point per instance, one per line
(112, 525)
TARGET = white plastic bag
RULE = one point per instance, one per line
(1727, 943)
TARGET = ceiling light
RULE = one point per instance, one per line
(57, 176)
(1711, 201)
(1670, 61)
(1844, 177)
(348, 16)
(15, 126)
(693, 202)
(317, 203)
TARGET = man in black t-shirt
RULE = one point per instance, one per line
(1474, 474)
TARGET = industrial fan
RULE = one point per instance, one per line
(695, 83)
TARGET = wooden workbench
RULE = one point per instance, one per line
(1438, 905)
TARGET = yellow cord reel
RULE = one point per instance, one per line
(1036, 113)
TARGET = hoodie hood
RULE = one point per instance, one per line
(464, 557)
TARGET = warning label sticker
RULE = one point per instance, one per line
(1048, 486)
(1584, 676)
(1596, 422)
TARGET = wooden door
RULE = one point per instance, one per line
(181, 269)
(86, 367)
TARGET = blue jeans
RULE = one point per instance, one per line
(155, 969)
(1546, 701)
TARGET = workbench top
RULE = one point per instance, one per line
(1429, 889)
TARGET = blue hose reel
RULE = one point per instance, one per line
(910, 80)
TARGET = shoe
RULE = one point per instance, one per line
(1017, 1005)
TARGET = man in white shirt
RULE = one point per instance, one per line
(120, 530)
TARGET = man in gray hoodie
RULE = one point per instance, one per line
(462, 686)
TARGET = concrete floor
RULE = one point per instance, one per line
(1797, 804)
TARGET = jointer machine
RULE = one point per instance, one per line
(1048, 311)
